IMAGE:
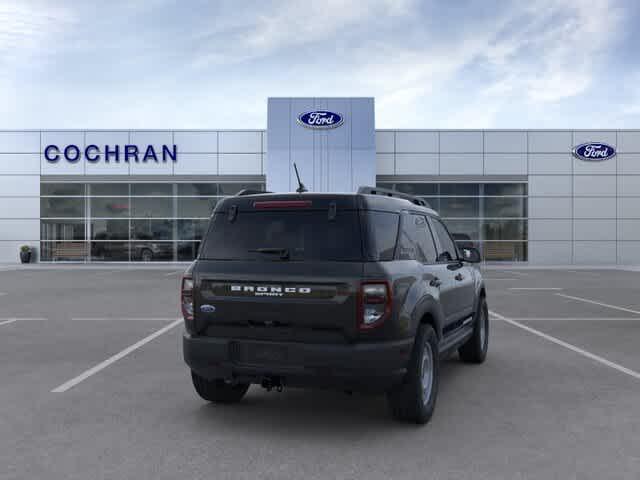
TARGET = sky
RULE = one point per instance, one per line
(213, 64)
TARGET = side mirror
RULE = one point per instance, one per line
(471, 255)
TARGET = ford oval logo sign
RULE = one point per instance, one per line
(594, 152)
(207, 308)
(320, 119)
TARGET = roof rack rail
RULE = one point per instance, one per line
(249, 191)
(395, 194)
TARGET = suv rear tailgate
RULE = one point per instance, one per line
(314, 302)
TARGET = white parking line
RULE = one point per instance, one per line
(18, 319)
(173, 273)
(129, 319)
(519, 274)
(586, 300)
(577, 319)
(7, 322)
(102, 365)
(569, 346)
(535, 288)
(583, 272)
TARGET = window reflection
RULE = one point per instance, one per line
(62, 207)
(110, 207)
(158, 207)
(152, 229)
(515, 207)
(141, 222)
(196, 207)
(482, 215)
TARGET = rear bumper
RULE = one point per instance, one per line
(364, 366)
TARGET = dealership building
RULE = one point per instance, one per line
(537, 196)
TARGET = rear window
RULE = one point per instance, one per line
(382, 231)
(304, 235)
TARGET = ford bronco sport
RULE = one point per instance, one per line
(361, 292)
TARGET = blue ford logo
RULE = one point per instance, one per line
(594, 152)
(320, 119)
(207, 308)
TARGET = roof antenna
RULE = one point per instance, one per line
(301, 188)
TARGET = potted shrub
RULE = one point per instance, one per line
(25, 253)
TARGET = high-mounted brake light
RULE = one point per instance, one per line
(374, 305)
(186, 298)
(268, 204)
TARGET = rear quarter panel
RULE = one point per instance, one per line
(413, 298)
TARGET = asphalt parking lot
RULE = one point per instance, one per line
(93, 386)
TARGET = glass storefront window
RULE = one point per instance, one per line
(121, 222)
(62, 189)
(417, 188)
(479, 214)
(62, 230)
(152, 251)
(460, 189)
(188, 251)
(63, 251)
(499, 189)
(62, 207)
(152, 189)
(192, 229)
(109, 189)
(466, 229)
(504, 229)
(191, 207)
(152, 229)
(515, 207)
(109, 230)
(109, 207)
(198, 189)
(504, 251)
(152, 207)
(468, 207)
(110, 251)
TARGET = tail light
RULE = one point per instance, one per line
(374, 305)
(186, 298)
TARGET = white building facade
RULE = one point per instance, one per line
(139, 195)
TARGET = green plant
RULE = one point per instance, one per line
(25, 248)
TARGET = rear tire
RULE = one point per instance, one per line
(415, 400)
(475, 349)
(217, 390)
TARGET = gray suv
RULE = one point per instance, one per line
(360, 292)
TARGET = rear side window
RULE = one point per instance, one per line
(415, 241)
(381, 232)
(303, 235)
(447, 250)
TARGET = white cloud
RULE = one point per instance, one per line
(28, 28)
(426, 68)
(545, 51)
(288, 24)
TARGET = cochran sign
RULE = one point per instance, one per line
(594, 152)
(127, 154)
(320, 119)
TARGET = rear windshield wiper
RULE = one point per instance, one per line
(283, 252)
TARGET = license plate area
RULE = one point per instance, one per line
(249, 353)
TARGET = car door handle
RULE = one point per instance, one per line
(435, 282)
(459, 277)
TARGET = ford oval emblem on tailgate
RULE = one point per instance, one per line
(207, 308)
